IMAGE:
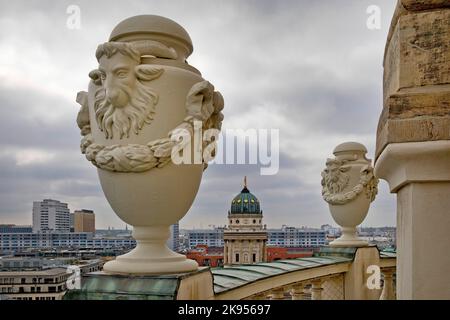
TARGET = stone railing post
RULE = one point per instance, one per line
(297, 292)
(413, 144)
(277, 294)
(388, 292)
(355, 280)
(306, 292)
(316, 289)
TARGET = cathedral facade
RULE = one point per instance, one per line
(245, 238)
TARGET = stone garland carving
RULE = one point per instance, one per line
(124, 102)
(335, 180)
(202, 104)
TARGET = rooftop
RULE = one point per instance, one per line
(48, 272)
(236, 276)
(228, 278)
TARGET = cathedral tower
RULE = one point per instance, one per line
(245, 237)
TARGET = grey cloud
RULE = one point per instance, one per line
(26, 126)
(312, 62)
(283, 195)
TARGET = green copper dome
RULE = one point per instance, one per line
(245, 202)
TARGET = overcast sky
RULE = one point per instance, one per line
(311, 69)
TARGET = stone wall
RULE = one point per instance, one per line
(416, 75)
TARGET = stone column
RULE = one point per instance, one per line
(306, 293)
(413, 145)
(230, 252)
(260, 296)
(277, 294)
(316, 289)
(260, 251)
(264, 246)
(355, 280)
(225, 253)
(388, 292)
(297, 292)
(241, 253)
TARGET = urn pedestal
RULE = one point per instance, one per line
(142, 122)
(349, 186)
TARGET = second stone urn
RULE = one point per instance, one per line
(349, 186)
(146, 106)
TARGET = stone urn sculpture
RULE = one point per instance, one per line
(349, 186)
(146, 108)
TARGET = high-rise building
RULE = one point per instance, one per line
(21, 241)
(50, 215)
(208, 237)
(296, 237)
(12, 228)
(72, 222)
(174, 240)
(83, 221)
(245, 237)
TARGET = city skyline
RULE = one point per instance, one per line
(200, 226)
(323, 88)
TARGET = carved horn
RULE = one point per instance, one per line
(154, 48)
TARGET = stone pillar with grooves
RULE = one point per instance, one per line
(413, 144)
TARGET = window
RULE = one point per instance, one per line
(237, 257)
(254, 257)
(237, 221)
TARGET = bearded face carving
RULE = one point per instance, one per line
(124, 101)
(334, 177)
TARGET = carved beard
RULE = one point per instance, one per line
(336, 181)
(139, 110)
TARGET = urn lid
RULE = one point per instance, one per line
(350, 151)
(154, 27)
(350, 147)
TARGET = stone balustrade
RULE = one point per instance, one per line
(389, 292)
(317, 281)
(332, 274)
(326, 288)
